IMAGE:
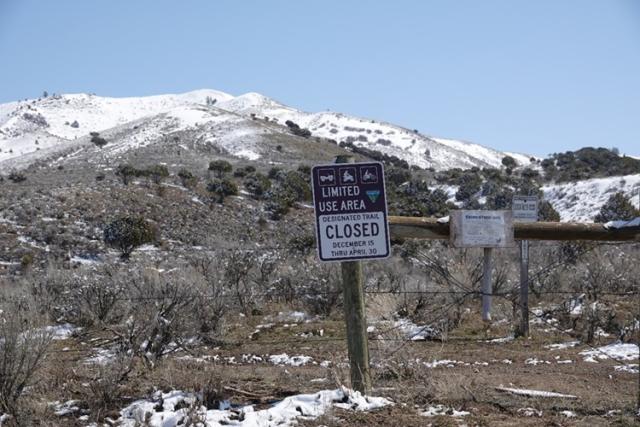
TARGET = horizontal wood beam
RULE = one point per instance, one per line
(404, 227)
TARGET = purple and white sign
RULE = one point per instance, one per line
(351, 211)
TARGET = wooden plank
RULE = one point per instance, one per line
(429, 228)
(356, 320)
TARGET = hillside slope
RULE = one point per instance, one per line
(37, 128)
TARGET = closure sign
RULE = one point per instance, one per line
(351, 211)
(481, 229)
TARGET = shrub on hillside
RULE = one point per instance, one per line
(499, 199)
(587, 163)
(220, 167)
(396, 176)
(257, 184)
(618, 207)
(222, 188)
(279, 201)
(546, 212)
(187, 178)
(127, 233)
(157, 173)
(469, 186)
(97, 139)
(298, 186)
(276, 173)
(126, 172)
(297, 130)
(17, 177)
(388, 160)
(509, 162)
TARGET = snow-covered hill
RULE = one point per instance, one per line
(409, 145)
(235, 124)
(581, 201)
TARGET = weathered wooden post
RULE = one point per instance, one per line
(356, 318)
(351, 225)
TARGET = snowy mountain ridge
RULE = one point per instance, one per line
(250, 126)
(46, 123)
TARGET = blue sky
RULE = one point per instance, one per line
(535, 76)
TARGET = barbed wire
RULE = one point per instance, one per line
(297, 294)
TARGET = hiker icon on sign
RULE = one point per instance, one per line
(368, 175)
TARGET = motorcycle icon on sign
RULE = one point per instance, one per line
(368, 175)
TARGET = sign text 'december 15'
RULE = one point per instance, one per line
(351, 211)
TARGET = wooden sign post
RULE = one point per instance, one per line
(351, 225)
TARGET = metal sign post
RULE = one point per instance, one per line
(482, 229)
(525, 209)
(351, 225)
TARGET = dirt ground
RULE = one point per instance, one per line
(466, 375)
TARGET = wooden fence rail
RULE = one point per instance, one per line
(403, 227)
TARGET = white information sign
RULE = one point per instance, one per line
(525, 208)
(481, 229)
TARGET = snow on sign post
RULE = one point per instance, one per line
(351, 211)
(482, 229)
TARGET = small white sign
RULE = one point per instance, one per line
(525, 208)
(481, 229)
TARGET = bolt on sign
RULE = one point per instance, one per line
(351, 211)
(524, 208)
(481, 229)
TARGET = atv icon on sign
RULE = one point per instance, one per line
(327, 177)
(347, 175)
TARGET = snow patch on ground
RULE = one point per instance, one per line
(284, 359)
(632, 369)
(616, 351)
(535, 361)
(534, 393)
(65, 408)
(172, 409)
(501, 340)
(529, 412)
(445, 362)
(415, 332)
(61, 332)
(437, 410)
(562, 345)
